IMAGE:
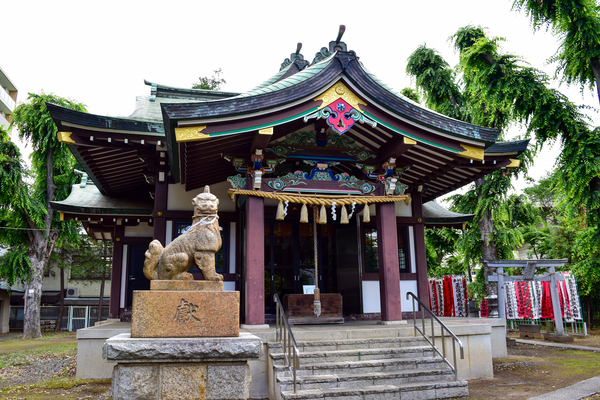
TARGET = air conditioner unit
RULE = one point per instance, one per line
(72, 292)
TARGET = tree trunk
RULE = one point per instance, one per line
(488, 246)
(62, 299)
(39, 252)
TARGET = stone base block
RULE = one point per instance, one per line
(532, 328)
(560, 338)
(184, 314)
(530, 335)
(185, 368)
(165, 381)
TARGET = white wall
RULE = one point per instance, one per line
(140, 230)
(371, 298)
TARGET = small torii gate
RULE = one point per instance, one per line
(529, 267)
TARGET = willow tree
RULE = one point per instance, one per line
(14, 195)
(489, 235)
(499, 89)
(577, 24)
(548, 116)
(36, 225)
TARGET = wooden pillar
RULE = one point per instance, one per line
(115, 276)
(161, 190)
(255, 261)
(420, 251)
(389, 274)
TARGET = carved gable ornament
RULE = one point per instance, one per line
(341, 109)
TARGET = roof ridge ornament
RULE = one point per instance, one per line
(296, 58)
(335, 45)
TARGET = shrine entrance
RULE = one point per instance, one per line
(289, 259)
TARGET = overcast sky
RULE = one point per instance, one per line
(99, 53)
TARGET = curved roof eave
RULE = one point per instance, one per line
(313, 78)
(65, 115)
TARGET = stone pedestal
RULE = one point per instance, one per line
(185, 309)
(181, 368)
(184, 344)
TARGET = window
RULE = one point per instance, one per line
(220, 256)
(371, 250)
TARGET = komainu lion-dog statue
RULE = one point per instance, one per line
(196, 245)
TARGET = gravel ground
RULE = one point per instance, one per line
(37, 371)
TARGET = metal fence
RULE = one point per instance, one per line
(74, 317)
(577, 327)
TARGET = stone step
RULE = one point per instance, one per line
(348, 344)
(343, 332)
(362, 367)
(328, 356)
(344, 380)
(409, 391)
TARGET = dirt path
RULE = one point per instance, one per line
(45, 369)
(532, 370)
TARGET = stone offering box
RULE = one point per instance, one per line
(183, 309)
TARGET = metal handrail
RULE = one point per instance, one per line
(432, 341)
(285, 336)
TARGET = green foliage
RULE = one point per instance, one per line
(412, 94)
(215, 82)
(577, 24)
(15, 266)
(24, 195)
(437, 80)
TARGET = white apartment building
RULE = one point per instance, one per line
(8, 98)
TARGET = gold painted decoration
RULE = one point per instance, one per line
(409, 140)
(472, 152)
(514, 163)
(65, 137)
(266, 131)
(190, 134)
(340, 91)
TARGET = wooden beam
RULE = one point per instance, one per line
(261, 139)
(395, 148)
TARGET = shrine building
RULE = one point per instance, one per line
(322, 139)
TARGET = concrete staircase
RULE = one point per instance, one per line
(402, 368)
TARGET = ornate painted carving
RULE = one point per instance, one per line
(237, 182)
(340, 91)
(279, 184)
(360, 155)
(398, 188)
(298, 139)
(322, 174)
(283, 151)
(340, 108)
(342, 141)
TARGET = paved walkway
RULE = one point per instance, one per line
(579, 390)
(10, 335)
(559, 345)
